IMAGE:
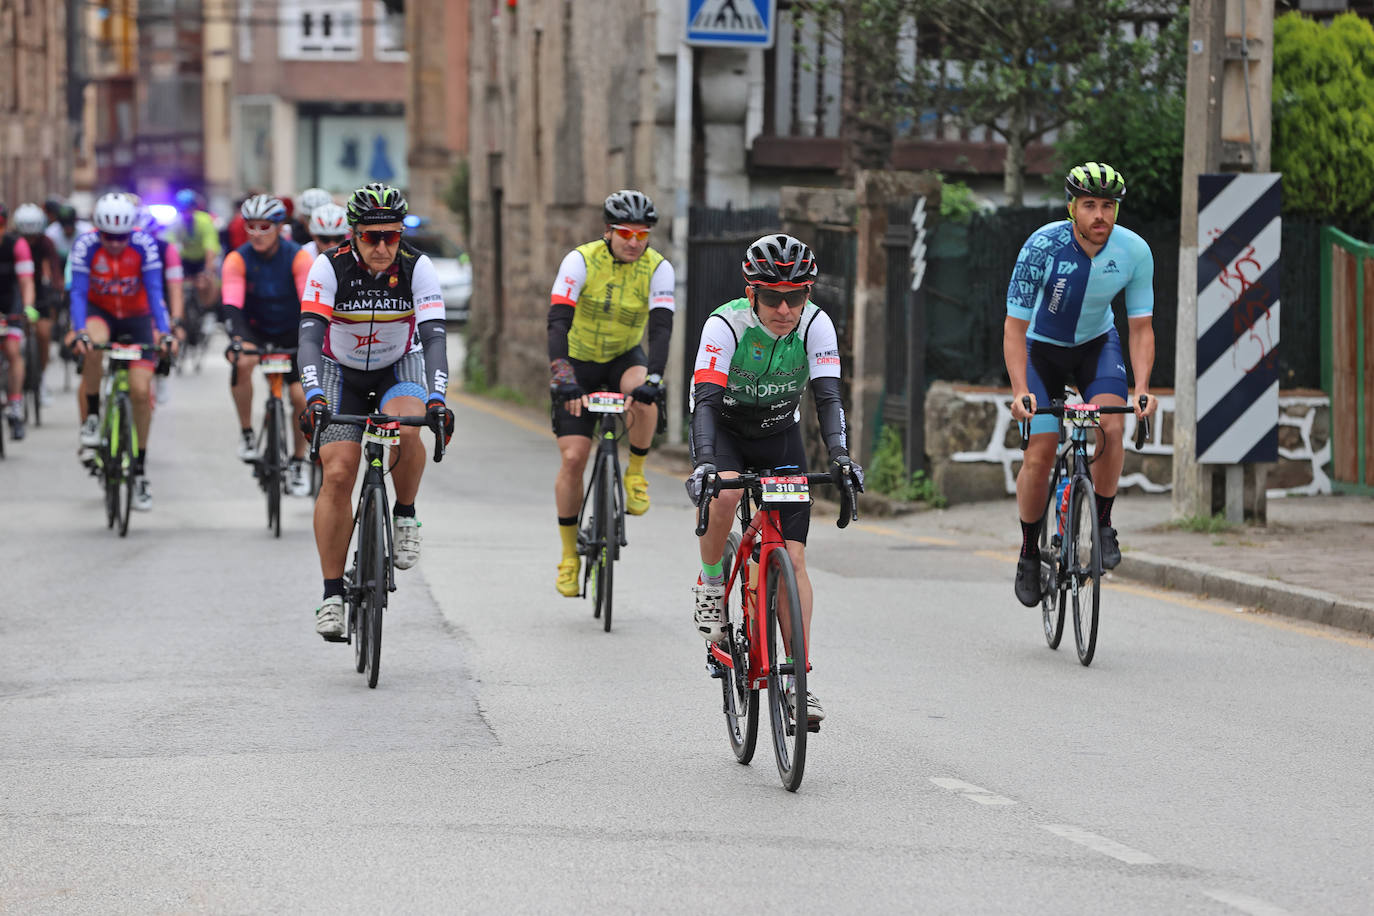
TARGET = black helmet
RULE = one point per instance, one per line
(779, 259)
(1094, 179)
(376, 203)
(630, 207)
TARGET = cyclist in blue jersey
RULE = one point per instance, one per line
(1059, 331)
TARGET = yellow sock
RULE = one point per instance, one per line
(636, 465)
(569, 535)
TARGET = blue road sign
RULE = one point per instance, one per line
(731, 23)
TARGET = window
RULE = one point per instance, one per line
(388, 33)
(315, 30)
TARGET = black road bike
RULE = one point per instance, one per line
(372, 577)
(601, 520)
(1071, 556)
(272, 465)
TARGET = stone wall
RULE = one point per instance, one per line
(974, 446)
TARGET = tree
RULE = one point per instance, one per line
(1323, 120)
(1138, 126)
(1024, 68)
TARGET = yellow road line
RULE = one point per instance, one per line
(903, 536)
(514, 419)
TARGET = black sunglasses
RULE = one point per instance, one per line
(115, 236)
(773, 298)
(330, 241)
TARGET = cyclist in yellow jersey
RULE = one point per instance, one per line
(195, 235)
(607, 293)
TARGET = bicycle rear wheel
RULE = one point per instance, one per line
(789, 731)
(374, 566)
(1085, 563)
(1051, 599)
(741, 702)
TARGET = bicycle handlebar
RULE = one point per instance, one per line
(849, 505)
(350, 419)
(1056, 409)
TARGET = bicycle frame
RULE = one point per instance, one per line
(115, 395)
(607, 435)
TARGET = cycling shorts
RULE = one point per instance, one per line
(593, 377)
(46, 301)
(1094, 368)
(135, 329)
(192, 267)
(360, 391)
(254, 337)
(784, 453)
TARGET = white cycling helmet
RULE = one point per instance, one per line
(263, 207)
(115, 213)
(312, 198)
(29, 219)
(329, 220)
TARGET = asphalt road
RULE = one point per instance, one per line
(175, 738)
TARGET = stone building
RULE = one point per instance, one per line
(35, 139)
(436, 106)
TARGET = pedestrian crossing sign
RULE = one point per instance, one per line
(731, 23)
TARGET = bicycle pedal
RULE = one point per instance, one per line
(714, 668)
(334, 638)
(813, 727)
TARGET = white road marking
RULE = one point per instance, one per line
(971, 792)
(1101, 844)
(1252, 905)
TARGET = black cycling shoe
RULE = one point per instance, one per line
(1111, 550)
(1028, 580)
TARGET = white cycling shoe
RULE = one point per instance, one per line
(709, 612)
(329, 618)
(143, 494)
(90, 431)
(298, 483)
(405, 541)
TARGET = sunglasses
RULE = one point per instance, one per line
(773, 298)
(380, 236)
(114, 236)
(330, 240)
(259, 228)
(625, 232)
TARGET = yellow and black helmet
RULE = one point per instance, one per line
(1094, 179)
(376, 203)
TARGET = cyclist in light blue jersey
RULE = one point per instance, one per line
(1059, 331)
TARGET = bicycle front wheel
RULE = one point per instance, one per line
(1085, 565)
(610, 539)
(375, 564)
(741, 701)
(789, 729)
(33, 377)
(272, 463)
(124, 467)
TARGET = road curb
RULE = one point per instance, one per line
(1250, 591)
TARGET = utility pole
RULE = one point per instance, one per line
(1226, 128)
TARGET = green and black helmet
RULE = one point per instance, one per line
(1094, 179)
(376, 203)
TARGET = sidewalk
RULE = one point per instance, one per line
(1314, 560)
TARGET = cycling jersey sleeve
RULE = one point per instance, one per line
(317, 307)
(709, 376)
(429, 324)
(152, 280)
(174, 272)
(79, 264)
(1140, 291)
(660, 332)
(572, 276)
(300, 270)
(23, 258)
(822, 347)
(1027, 277)
(234, 292)
(663, 287)
(830, 413)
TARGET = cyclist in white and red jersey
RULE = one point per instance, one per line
(16, 268)
(371, 337)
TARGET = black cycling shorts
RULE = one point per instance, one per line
(593, 377)
(783, 452)
(360, 391)
(1093, 367)
(288, 339)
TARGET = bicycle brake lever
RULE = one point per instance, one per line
(1142, 428)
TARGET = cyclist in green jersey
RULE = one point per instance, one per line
(195, 235)
(753, 364)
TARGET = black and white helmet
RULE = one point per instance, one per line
(29, 219)
(630, 207)
(115, 213)
(312, 198)
(263, 207)
(777, 259)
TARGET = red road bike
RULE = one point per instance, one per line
(755, 652)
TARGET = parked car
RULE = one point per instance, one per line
(452, 265)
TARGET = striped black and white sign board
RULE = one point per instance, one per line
(1238, 318)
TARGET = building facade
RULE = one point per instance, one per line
(35, 138)
(318, 95)
(437, 108)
